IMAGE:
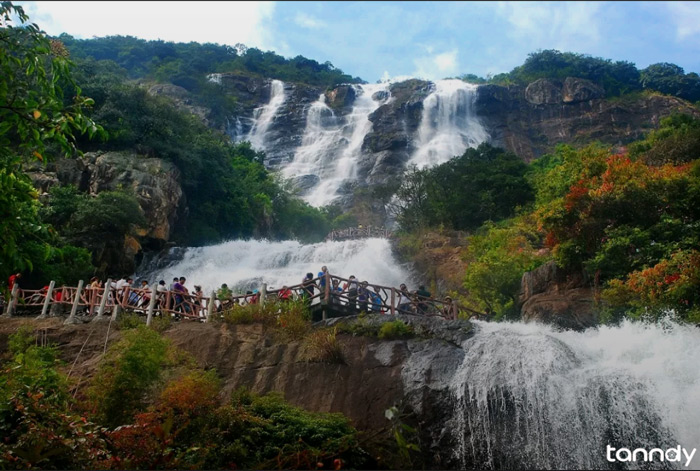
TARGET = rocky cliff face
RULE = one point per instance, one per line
(531, 121)
(528, 121)
(155, 183)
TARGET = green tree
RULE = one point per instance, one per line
(35, 119)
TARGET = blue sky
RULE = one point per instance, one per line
(373, 40)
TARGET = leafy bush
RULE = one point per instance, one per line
(129, 320)
(395, 330)
(39, 429)
(498, 256)
(130, 369)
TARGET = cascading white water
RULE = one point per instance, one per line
(264, 115)
(331, 145)
(245, 265)
(449, 124)
(527, 396)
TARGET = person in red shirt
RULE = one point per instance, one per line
(14, 278)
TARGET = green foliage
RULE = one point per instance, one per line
(395, 330)
(38, 429)
(677, 141)
(483, 184)
(130, 369)
(672, 80)
(617, 78)
(289, 437)
(35, 121)
(406, 437)
(498, 257)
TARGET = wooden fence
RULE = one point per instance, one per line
(351, 297)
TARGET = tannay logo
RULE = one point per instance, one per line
(624, 455)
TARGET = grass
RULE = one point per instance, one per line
(322, 345)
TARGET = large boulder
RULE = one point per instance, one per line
(553, 296)
(577, 89)
(543, 91)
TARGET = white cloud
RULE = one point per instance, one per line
(437, 66)
(215, 22)
(563, 25)
(686, 16)
(308, 21)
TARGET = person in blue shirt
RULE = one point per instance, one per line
(322, 278)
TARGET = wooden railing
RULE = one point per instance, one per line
(358, 233)
(328, 292)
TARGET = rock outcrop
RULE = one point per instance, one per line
(552, 296)
(154, 182)
(531, 121)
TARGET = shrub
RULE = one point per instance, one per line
(395, 330)
(130, 369)
(36, 423)
(323, 345)
(129, 320)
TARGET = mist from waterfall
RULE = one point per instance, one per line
(449, 124)
(528, 396)
(265, 115)
(332, 145)
(246, 264)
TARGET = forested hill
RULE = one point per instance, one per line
(188, 65)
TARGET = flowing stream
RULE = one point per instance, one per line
(527, 396)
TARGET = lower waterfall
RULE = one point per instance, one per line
(528, 396)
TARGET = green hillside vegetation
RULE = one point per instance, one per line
(46, 115)
(629, 220)
(188, 65)
(616, 77)
(149, 406)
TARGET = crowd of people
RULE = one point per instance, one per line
(179, 299)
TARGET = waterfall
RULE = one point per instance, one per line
(264, 115)
(332, 145)
(527, 396)
(247, 264)
(449, 124)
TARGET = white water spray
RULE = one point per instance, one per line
(449, 124)
(332, 146)
(264, 115)
(246, 265)
(528, 396)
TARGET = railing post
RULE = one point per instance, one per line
(211, 306)
(393, 298)
(151, 306)
(117, 306)
(103, 302)
(13, 301)
(47, 301)
(76, 302)
(263, 293)
(327, 286)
